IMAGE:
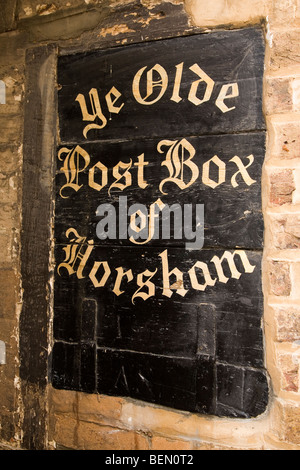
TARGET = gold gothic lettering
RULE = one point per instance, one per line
(161, 83)
(207, 277)
(149, 87)
(242, 171)
(233, 269)
(79, 250)
(71, 167)
(176, 90)
(105, 275)
(225, 94)
(96, 111)
(77, 254)
(153, 216)
(209, 85)
(120, 274)
(178, 285)
(141, 283)
(111, 98)
(119, 176)
(92, 183)
(179, 155)
(221, 172)
(176, 163)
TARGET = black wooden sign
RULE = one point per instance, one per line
(158, 224)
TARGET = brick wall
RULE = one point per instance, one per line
(281, 202)
(84, 421)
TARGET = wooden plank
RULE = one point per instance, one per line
(196, 385)
(179, 332)
(162, 321)
(232, 205)
(224, 57)
(240, 294)
(8, 15)
(38, 171)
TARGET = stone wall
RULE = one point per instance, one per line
(80, 421)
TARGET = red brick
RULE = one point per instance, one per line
(285, 51)
(282, 187)
(286, 231)
(289, 371)
(287, 324)
(279, 93)
(285, 137)
(280, 282)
